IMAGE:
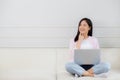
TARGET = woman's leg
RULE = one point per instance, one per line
(74, 68)
(100, 68)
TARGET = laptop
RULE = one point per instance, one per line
(87, 56)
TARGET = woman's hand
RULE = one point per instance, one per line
(80, 39)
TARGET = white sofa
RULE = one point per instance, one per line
(48, 64)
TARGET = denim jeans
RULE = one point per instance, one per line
(74, 68)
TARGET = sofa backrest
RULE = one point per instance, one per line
(111, 55)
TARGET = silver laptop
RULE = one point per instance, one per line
(87, 56)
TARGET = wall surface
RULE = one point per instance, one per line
(52, 23)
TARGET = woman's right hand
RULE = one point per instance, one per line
(80, 39)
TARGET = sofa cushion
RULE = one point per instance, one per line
(27, 64)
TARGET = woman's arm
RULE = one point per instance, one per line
(71, 49)
(80, 39)
(96, 43)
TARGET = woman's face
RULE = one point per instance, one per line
(84, 27)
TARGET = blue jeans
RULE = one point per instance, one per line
(74, 68)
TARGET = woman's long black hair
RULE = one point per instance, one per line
(89, 22)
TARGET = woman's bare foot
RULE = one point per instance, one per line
(86, 73)
(90, 71)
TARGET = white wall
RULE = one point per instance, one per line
(51, 23)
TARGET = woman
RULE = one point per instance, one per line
(85, 40)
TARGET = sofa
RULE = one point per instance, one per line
(48, 64)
